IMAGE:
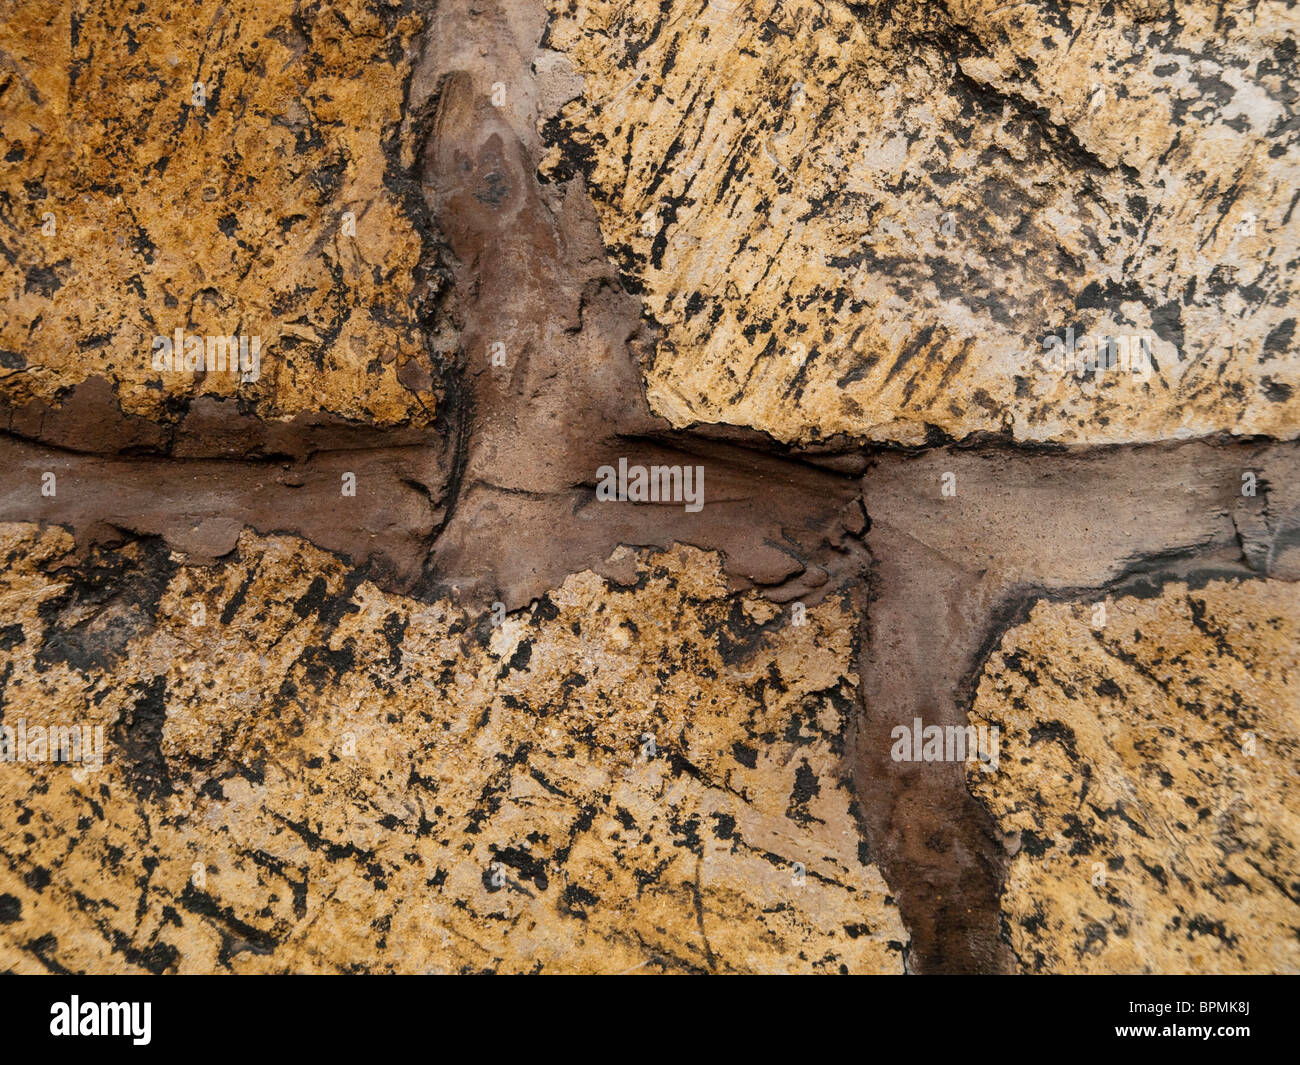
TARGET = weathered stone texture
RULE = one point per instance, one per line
(677, 234)
(225, 217)
(323, 777)
(866, 219)
(1148, 781)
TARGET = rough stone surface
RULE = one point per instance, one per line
(389, 683)
(1147, 783)
(323, 777)
(866, 219)
(222, 218)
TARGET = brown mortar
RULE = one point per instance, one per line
(502, 505)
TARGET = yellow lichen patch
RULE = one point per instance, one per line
(870, 219)
(224, 171)
(1148, 781)
(305, 773)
